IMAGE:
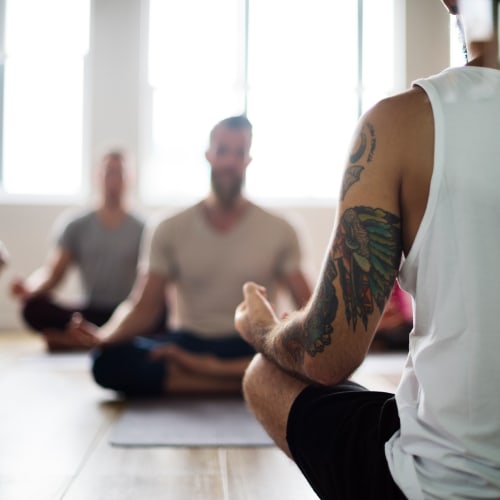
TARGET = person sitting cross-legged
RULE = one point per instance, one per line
(422, 182)
(204, 253)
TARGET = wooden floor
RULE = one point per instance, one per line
(54, 430)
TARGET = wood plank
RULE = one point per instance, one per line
(40, 488)
(152, 473)
(13, 345)
(54, 430)
(264, 473)
(50, 417)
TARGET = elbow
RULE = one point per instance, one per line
(328, 371)
(320, 374)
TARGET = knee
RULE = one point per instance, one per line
(113, 367)
(127, 368)
(32, 311)
(267, 388)
(254, 379)
(41, 313)
(104, 368)
(269, 393)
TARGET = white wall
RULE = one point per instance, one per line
(427, 38)
(113, 117)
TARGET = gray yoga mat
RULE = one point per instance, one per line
(188, 422)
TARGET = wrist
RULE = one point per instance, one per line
(265, 340)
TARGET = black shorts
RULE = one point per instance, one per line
(336, 436)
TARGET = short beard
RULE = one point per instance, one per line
(227, 196)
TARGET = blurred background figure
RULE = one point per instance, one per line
(204, 253)
(103, 244)
(396, 323)
(4, 256)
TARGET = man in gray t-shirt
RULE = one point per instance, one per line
(106, 257)
(104, 245)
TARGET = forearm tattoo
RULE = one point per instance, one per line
(315, 333)
(364, 261)
(363, 153)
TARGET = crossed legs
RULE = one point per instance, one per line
(336, 434)
(131, 368)
(54, 322)
(270, 393)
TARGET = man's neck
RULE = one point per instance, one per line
(224, 216)
(484, 54)
(111, 213)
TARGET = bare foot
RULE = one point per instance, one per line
(78, 336)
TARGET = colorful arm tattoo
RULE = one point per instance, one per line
(367, 252)
(365, 257)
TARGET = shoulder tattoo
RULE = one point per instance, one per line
(363, 153)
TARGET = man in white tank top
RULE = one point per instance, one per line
(422, 182)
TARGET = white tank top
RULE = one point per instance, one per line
(449, 396)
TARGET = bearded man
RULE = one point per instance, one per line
(205, 253)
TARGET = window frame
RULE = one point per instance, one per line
(146, 143)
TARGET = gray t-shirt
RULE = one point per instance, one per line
(209, 268)
(106, 257)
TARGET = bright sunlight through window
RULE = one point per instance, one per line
(295, 67)
(457, 56)
(45, 45)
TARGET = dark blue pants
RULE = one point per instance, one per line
(128, 368)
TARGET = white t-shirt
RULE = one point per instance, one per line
(209, 268)
(449, 399)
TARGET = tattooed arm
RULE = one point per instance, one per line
(355, 285)
(327, 340)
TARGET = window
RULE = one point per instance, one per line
(197, 76)
(302, 70)
(457, 55)
(43, 88)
